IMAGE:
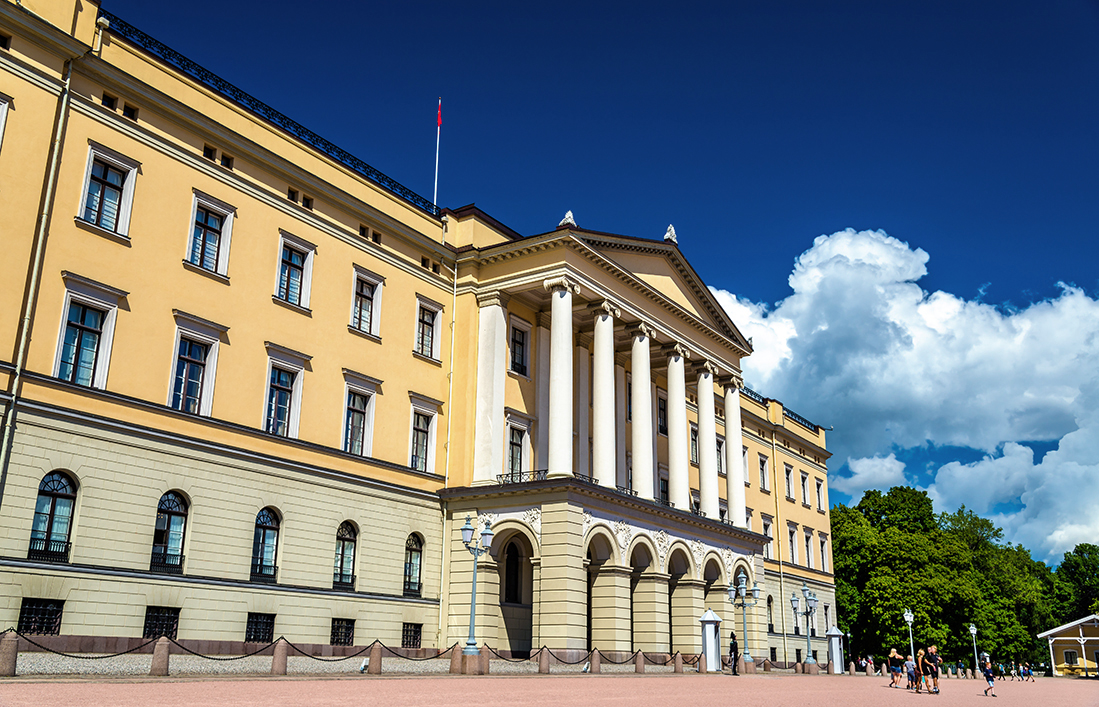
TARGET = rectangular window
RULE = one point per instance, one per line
(129, 111)
(210, 234)
(280, 396)
(764, 481)
(161, 621)
(664, 490)
(805, 489)
(774, 654)
(694, 444)
(789, 482)
(226, 161)
(363, 311)
(425, 332)
(662, 415)
(41, 617)
(104, 199)
(208, 151)
(260, 628)
(4, 101)
(292, 194)
(516, 439)
(5, 42)
(820, 495)
(793, 546)
(355, 432)
(767, 545)
(343, 632)
(809, 550)
(723, 512)
(83, 329)
(744, 466)
(720, 457)
(629, 399)
(410, 635)
(291, 274)
(824, 554)
(1071, 657)
(190, 369)
(307, 202)
(520, 348)
(421, 435)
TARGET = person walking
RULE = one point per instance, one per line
(1029, 673)
(895, 663)
(990, 679)
(933, 660)
(910, 669)
(920, 668)
(734, 653)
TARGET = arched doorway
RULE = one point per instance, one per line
(516, 581)
(685, 597)
(603, 620)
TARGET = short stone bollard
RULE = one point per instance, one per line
(797, 669)
(9, 654)
(374, 667)
(969, 673)
(543, 662)
(486, 660)
(811, 669)
(639, 662)
(456, 660)
(278, 658)
(702, 663)
(869, 671)
(677, 663)
(851, 668)
(472, 664)
(596, 667)
(159, 668)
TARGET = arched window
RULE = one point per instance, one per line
(265, 546)
(343, 574)
(52, 519)
(513, 575)
(771, 614)
(171, 521)
(413, 551)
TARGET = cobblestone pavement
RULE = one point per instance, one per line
(627, 690)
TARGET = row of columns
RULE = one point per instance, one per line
(556, 443)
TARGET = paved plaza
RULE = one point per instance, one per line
(531, 691)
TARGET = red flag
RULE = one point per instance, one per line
(439, 123)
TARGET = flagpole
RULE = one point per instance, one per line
(438, 132)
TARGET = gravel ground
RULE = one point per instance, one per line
(182, 664)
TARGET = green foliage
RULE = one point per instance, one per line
(892, 552)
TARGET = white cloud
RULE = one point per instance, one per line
(861, 345)
(880, 473)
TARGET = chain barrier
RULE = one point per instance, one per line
(405, 657)
(565, 662)
(213, 657)
(633, 656)
(81, 657)
(514, 660)
(688, 661)
(654, 661)
(327, 660)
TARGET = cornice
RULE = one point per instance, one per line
(30, 26)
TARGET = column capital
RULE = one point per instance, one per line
(555, 284)
(489, 298)
(734, 381)
(676, 349)
(638, 329)
(703, 366)
(605, 307)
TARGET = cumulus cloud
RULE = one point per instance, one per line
(859, 344)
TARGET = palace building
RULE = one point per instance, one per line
(253, 387)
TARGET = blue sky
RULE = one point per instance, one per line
(956, 140)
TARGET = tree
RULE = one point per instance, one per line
(1080, 571)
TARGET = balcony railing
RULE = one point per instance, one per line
(263, 572)
(521, 477)
(665, 502)
(343, 581)
(801, 420)
(166, 562)
(49, 550)
(625, 490)
(412, 589)
(754, 396)
(698, 512)
(585, 478)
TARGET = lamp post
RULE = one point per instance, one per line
(973, 632)
(908, 617)
(486, 545)
(810, 609)
(741, 590)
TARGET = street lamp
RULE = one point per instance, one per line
(741, 590)
(486, 545)
(973, 632)
(908, 617)
(810, 609)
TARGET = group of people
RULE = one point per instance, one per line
(922, 671)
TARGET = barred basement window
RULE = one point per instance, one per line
(40, 616)
(161, 621)
(343, 632)
(410, 635)
(260, 628)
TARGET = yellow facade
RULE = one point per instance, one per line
(1074, 647)
(330, 349)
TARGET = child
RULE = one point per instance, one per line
(990, 678)
(910, 668)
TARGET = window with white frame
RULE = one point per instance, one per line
(721, 456)
(4, 101)
(789, 481)
(295, 271)
(764, 481)
(210, 233)
(805, 488)
(422, 424)
(809, 549)
(662, 485)
(285, 374)
(194, 363)
(366, 302)
(767, 552)
(823, 553)
(792, 532)
(517, 453)
(661, 412)
(519, 340)
(1071, 657)
(748, 518)
(358, 419)
(87, 331)
(723, 511)
(694, 443)
(428, 327)
(744, 462)
(820, 495)
(106, 200)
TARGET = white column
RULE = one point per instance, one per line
(679, 482)
(707, 443)
(583, 404)
(560, 374)
(734, 457)
(542, 387)
(488, 445)
(642, 412)
(604, 435)
(620, 422)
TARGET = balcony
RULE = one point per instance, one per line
(625, 490)
(585, 478)
(698, 512)
(521, 477)
(45, 550)
(412, 589)
(262, 572)
(665, 502)
(166, 562)
(343, 581)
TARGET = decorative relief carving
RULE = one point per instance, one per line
(669, 235)
(699, 552)
(568, 220)
(533, 518)
(663, 543)
(727, 560)
(624, 532)
(589, 521)
(484, 518)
